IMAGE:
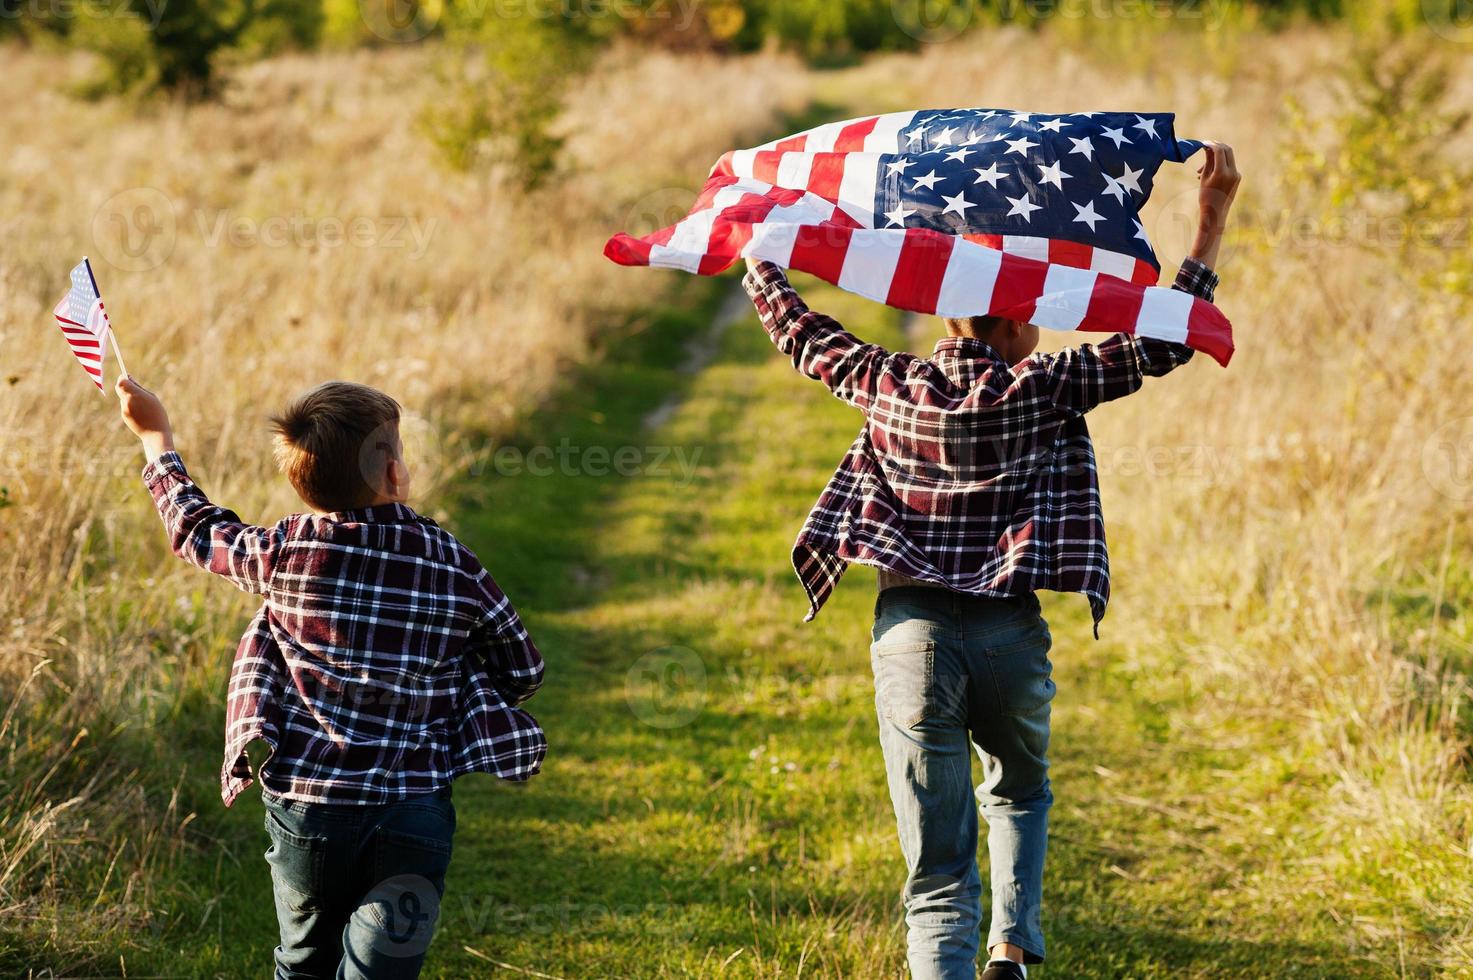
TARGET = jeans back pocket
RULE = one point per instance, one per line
(297, 865)
(1021, 668)
(904, 678)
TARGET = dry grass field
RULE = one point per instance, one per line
(1291, 535)
(302, 228)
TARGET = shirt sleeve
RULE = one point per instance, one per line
(817, 345)
(502, 644)
(209, 536)
(1079, 378)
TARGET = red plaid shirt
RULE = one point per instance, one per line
(384, 663)
(969, 473)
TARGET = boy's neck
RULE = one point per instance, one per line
(378, 501)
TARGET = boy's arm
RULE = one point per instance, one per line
(818, 346)
(199, 532)
(1080, 378)
(209, 536)
(502, 645)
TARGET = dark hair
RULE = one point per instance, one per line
(332, 443)
(977, 326)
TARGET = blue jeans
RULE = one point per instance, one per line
(357, 888)
(953, 674)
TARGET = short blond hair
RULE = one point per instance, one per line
(333, 441)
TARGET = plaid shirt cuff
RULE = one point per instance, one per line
(1196, 278)
(768, 282)
(162, 474)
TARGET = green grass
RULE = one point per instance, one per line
(713, 801)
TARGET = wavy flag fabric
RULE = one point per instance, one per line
(84, 323)
(955, 212)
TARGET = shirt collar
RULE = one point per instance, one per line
(379, 514)
(966, 347)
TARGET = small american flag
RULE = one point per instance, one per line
(956, 212)
(84, 322)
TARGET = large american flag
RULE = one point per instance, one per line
(84, 323)
(955, 212)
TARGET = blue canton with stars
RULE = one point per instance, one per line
(1079, 176)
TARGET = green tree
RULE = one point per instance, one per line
(178, 44)
(507, 80)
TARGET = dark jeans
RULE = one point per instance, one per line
(955, 675)
(357, 888)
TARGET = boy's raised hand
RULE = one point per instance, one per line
(1219, 179)
(144, 413)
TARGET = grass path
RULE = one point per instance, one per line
(713, 802)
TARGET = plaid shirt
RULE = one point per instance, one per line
(384, 663)
(969, 473)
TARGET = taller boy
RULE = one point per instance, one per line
(972, 485)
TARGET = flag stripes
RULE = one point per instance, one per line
(83, 322)
(812, 202)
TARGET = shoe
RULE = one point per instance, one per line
(1002, 970)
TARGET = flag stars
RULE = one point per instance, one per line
(957, 205)
(898, 216)
(960, 156)
(1140, 232)
(1131, 179)
(1055, 125)
(1087, 214)
(900, 166)
(1082, 146)
(1020, 146)
(1021, 117)
(1147, 126)
(944, 139)
(991, 175)
(1022, 207)
(1053, 174)
(914, 136)
(1114, 188)
(1116, 135)
(928, 182)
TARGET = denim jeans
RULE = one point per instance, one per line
(953, 674)
(357, 888)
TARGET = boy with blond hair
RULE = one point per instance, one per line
(383, 663)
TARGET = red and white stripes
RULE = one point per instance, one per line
(88, 341)
(805, 203)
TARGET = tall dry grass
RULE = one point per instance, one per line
(452, 291)
(1291, 535)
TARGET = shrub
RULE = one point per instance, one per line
(507, 89)
(177, 45)
(1387, 159)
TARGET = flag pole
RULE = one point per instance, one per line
(117, 350)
